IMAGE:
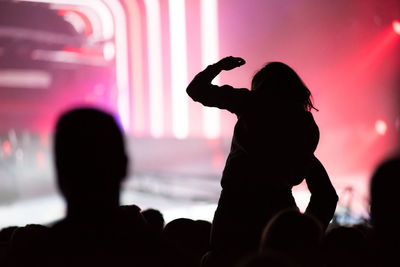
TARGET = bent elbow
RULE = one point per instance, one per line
(189, 90)
(193, 92)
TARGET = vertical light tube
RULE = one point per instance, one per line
(121, 61)
(155, 67)
(121, 45)
(209, 49)
(107, 24)
(177, 22)
(137, 70)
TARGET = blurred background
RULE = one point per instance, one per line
(135, 58)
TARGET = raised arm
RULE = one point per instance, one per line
(323, 199)
(226, 97)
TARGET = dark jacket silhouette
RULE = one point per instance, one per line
(272, 150)
(91, 163)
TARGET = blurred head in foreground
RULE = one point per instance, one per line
(295, 234)
(384, 200)
(90, 158)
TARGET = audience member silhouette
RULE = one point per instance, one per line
(91, 162)
(155, 219)
(345, 247)
(272, 150)
(133, 214)
(6, 235)
(295, 234)
(384, 241)
(186, 242)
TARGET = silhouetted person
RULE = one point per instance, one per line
(272, 150)
(186, 242)
(6, 235)
(155, 219)
(91, 162)
(133, 214)
(295, 234)
(345, 247)
(384, 240)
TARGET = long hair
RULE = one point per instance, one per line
(278, 79)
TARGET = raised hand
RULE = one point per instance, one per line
(229, 63)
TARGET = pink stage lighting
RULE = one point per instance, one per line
(7, 148)
(396, 26)
(381, 127)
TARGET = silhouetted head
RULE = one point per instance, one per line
(155, 219)
(6, 233)
(277, 81)
(187, 241)
(180, 232)
(27, 235)
(384, 202)
(299, 235)
(345, 246)
(90, 156)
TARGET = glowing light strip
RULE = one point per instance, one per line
(155, 66)
(121, 61)
(39, 36)
(68, 57)
(135, 34)
(34, 79)
(177, 23)
(101, 9)
(77, 19)
(122, 65)
(96, 23)
(209, 49)
(94, 19)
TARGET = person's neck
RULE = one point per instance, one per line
(93, 210)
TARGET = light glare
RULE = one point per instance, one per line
(178, 68)
(381, 127)
(396, 26)
(155, 67)
(209, 41)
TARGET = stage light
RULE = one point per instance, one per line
(7, 148)
(136, 71)
(209, 43)
(153, 21)
(121, 62)
(78, 20)
(381, 127)
(112, 15)
(109, 51)
(396, 26)
(177, 23)
(25, 78)
(106, 18)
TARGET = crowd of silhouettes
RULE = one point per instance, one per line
(256, 223)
